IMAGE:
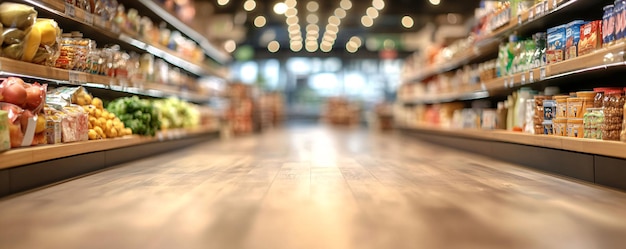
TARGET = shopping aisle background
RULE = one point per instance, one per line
(316, 187)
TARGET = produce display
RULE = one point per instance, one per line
(176, 113)
(24, 104)
(137, 114)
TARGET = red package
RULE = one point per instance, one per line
(590, 37)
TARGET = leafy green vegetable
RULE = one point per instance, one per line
(137, 114)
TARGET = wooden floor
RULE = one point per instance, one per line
(316, 187)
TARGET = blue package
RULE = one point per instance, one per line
(619, 12)
(556, 44)
(572, 36)
(608, 24)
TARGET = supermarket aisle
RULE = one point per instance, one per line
(316, 188)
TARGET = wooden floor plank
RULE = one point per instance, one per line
(316, 187)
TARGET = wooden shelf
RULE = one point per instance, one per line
(61, 76)
(588, 146)
(28, 155)
(88, 22)
(488, 44)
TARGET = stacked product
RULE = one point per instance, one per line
(538, 119)
(613, 109)
(576, 108)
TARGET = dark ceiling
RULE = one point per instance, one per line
(389, 21)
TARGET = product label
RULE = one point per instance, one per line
(620, 20)
(549, 110)
(608, 25)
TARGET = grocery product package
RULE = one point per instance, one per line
(556, 44)
(26, 37)
(24, 105)
(572, 38)
(590, 37)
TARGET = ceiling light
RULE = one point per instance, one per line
(293, 20)
(222, 2)
(407, 22)
(312, 18)
(334, 20)
(345, 4)
(327, 43)
(351, 47)
(312, 6)
(311, 47)
(293, 28)
(294, 36)
(330, 36)
(356, 41)
(341, 13)
(372, 12)
(312, 27)
(435, 2)
(296, 47)
(260, 21)
(273, 46)
(291, 12)
(230, 46)
(326, 48)
(332, 29)
(367, 21)
(291, 3)
(380, 4)
(280, 8)
(249, 5)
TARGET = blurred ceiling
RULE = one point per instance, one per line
(387, 23)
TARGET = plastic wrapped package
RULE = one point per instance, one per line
(15, 15)
(75, 124)
(25, 127)
(5, 138)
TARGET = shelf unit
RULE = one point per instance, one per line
(597, 161)
(601, 59)
(26, 168)
(158, 10)
(101, 30)
(587, 146)
(487, 44)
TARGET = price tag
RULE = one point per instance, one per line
(531, 76)
(523, 81)
(70, 10)
(73, 77)
(506, 85)
(89, 19)
(483, 86)
(512, 81)
(555, 4)
(531, 14)
(542, 73)
(545, 6)
(519, 19)
(77, 78)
